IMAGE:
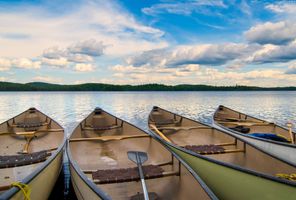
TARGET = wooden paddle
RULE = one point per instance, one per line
(160, 133)
(289, 125)
(108, 138)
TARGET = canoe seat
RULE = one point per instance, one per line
(126, 174)
(23, 159)
(205, 149)
(29, 125)
(101, 128)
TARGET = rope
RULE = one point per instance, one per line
(291, 177)
(24, 188)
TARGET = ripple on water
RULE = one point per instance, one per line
(69, 108)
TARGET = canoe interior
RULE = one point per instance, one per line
(12, 144)
(250, 158)
(230, 118)
(102, 155)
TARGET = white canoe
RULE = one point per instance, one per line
(31, 154)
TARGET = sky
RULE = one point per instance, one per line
(213, 42)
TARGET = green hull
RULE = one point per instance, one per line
(231, 184)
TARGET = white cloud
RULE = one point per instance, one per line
(81, 67)
(5, 64)
(102, 20)
(183, 8)
(206, 54)
(3, 79)
(26, 63)
(282, 8)
(273, 53)
(202, 75)
(272, 33)
(60, 62)
(88, 47)
(47, 79)
(291, 69)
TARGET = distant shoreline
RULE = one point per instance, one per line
(40, 86)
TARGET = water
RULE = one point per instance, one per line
(69, 108)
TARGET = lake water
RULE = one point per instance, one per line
(69, 108)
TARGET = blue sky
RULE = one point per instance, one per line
(215, 42)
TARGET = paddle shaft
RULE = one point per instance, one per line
(146, 196)
(28, 141)
(290, 132)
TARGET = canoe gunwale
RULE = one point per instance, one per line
(104, 195)
(9, 193)
(232, 166)
(246, 135)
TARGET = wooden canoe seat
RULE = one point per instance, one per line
(29, 125)
(101, 128)
(211, 149)
(205, 149)
(128, 174)
(23, 159)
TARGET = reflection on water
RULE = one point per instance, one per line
(69, 108)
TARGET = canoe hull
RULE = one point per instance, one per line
(42, 185)
(82, 190)
(228, 183)
(283, 152)
(280, 150)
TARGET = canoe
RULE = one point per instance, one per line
(270, 137)
(31, 155)
(230, 166)
(100, 167)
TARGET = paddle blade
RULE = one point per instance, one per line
(142, 156)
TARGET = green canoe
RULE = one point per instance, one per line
(231, 167)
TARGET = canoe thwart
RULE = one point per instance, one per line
(210, 149)
(129, 174)
(108, 138)
(23, 159)
(177, 128)
(100, 128)
(165, 122)
(24, 133)
(245, 123)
